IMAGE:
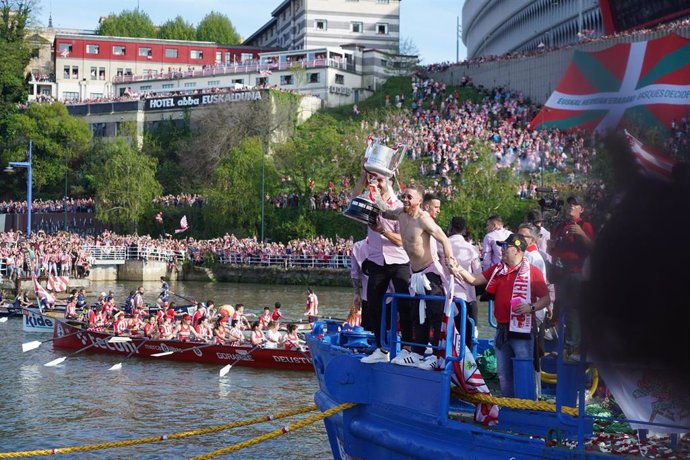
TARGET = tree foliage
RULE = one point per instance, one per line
(14, 56)
(216, 27)
(234, 192)
(128, 23)
(177, 29)
(126, 185)
(483, 191)
(59, 140)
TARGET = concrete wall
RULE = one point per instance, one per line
(535, 76)
(142, 270)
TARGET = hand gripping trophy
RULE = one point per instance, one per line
(378, 160)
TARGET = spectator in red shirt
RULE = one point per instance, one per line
(519, 291)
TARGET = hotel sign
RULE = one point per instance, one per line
(200, 100)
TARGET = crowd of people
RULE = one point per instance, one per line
(72, 255)
(69, 204)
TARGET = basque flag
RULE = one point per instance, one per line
(645, 82)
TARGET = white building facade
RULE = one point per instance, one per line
(310, 24)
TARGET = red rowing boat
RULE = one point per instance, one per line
(73, 337)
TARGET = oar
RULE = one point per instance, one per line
(167, 353)
(118, 366)
(28, 346)
(3, 319)
(225, 369)
(184, 298)
(57, 361)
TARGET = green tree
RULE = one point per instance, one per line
(233, 197)
(216, 27)
(129, 23)
(126, 185)
(59, 141)
(483, 191)
(14, 57)
(177, 29)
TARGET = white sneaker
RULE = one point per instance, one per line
(378, 356)
(400, 356)
(408, 359)
(429, 363)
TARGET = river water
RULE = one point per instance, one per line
(82, 402)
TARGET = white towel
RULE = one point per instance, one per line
(419, 283)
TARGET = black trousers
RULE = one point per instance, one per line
(434, 316)
(379, 279)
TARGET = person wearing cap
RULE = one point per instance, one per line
(495, 233)
(165, 328)
(387, 262)
(573, 239)
(185, 331)
(120, 324)
(204, 330)
(519, 290)
(467, 256)
(534, 217)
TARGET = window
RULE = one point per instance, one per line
(383, 2)
(95, 95)
(320, 24)
(66, 71)
(214, 83)
(261, 81)
(93, 49)
(286, 79)
(314, 77)
(145, 88)
(128, 72)
(75, 72)
(246, 57)
(70, 95)
(190, 84)
(339, 79)
(94, 73)
(171, 52)
(196, 54)
(382, 28)
(228, 57)
(168, 85)
(98, 129)
(219, 57)
(101, 73)
(356, 27)
(118, 50)
(35, 52)
(119, 72)
(65, 49)
(145, 52)
(239, 81)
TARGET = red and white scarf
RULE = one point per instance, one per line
(522, 293)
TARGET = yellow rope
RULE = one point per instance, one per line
(514, 403)
(274, 434)
(180, 435)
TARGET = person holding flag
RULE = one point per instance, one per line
(45, 300)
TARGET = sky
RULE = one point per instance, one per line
(429, 24)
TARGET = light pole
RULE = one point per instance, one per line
(29, 198)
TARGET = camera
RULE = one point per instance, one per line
(548, 199)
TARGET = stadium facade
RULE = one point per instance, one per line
(498, 27)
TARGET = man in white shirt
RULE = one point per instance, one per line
(467, 257)
(495, 233)
(534, 217)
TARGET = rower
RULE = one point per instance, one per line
(257, 336)
(277, 315)
(292, 340)
(120, 324)
(264, 319)
(273, 337)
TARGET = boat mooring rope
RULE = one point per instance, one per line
(151, 439)
(274, 434)
(514, 403)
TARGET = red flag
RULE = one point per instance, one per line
(651, 161)
(183, 225)
(57, 283)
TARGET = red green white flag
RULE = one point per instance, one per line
(644, 83)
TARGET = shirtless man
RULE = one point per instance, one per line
(416, 230)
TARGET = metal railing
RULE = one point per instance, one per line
(337, 261)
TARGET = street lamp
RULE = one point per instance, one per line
(29, 199)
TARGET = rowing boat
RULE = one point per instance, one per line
(68, 336)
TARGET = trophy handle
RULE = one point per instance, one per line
(398, 158)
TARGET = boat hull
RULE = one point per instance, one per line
(182, 351)
(402, 413)
(34, 321)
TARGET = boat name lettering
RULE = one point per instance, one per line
(123, 347)
(234, 357)
(38, 321)
(292, 359)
